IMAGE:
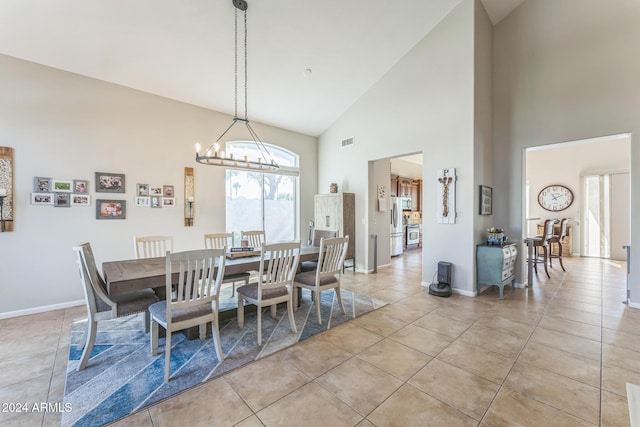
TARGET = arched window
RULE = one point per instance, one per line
(263, 201)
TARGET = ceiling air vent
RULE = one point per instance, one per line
(347, 142)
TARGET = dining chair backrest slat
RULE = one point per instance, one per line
(278, 263)
(199, 275)
(152, 246)
(218, 240)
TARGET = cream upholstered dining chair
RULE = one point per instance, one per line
(100, 305)
(197, 289)
(152, 246)
(317, 237)
(255, 237)
(223, 241)
(328, 274)
(278, 264)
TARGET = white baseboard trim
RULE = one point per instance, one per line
(463, 292)
(455, 290)
(634, 304)
(43, 309)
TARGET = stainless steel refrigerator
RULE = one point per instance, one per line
(396, 226)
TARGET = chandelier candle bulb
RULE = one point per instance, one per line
(198, 148)
(190, 199)
(3, 192)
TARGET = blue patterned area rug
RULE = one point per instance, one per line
(122, 376)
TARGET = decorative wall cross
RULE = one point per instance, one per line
(445, 194)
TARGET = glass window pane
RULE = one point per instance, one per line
(244, 201)
(262, 201)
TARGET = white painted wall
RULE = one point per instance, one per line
(483, 119)
(424, 103)
(65, 126)
(564, 71)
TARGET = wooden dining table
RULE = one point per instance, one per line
(136, 274)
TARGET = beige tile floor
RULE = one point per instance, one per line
(556, 354)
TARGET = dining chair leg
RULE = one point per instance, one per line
(147, 321)
(259, 313)
(292, 320)
(154, 338)
(240, 312)
(546, 258)
(274, 311)
(83, 340)
(202, 328)
(560, 256)
(92, 326)
(318, 306)
(295, 297)
(215, 333)
(338, 294)
(167, 356)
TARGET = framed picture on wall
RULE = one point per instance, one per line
(142, 190)
(111, 209)
(486, 200)
(42, 198)
(144, 201)
(80, 186)
(80, 200)
(41, 184)
(61, 200)
(59, 186)
(109, 182)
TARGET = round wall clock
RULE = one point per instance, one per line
(555, 198)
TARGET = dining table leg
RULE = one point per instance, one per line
(530, 262)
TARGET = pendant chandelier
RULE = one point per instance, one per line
(213, 156)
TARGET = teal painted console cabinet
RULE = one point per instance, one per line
(496, 265)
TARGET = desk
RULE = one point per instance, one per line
(135, 274)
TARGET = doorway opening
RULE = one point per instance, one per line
(596, 170)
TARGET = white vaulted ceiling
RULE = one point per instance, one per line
(183, 50)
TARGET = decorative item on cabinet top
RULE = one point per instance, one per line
(495, 236)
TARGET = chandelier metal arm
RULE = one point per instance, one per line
(212, 156)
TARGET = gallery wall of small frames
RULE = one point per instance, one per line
(70, 193)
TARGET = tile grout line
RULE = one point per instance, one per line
(542, 314)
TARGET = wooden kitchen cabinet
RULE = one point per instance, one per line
(337, 211)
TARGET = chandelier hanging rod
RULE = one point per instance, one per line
(213, 156)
